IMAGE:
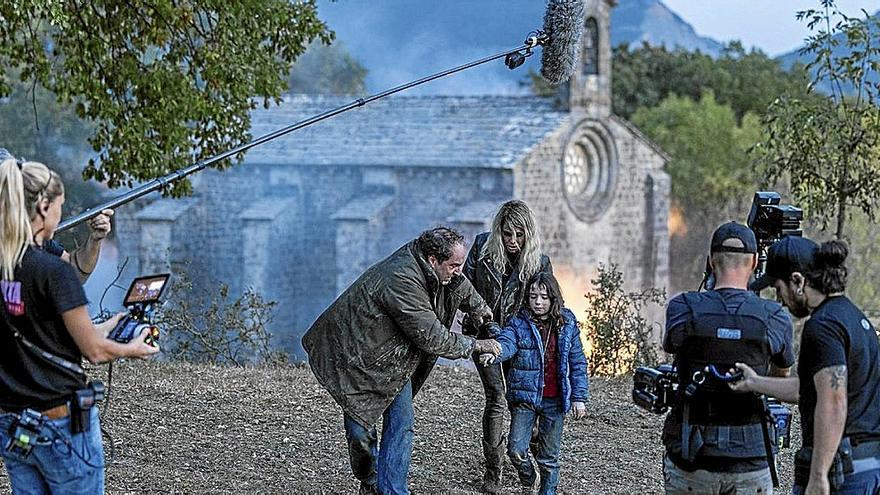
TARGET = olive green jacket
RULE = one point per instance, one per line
(387, 328)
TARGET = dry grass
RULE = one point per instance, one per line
(200, 429)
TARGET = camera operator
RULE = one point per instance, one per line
(714, 438)
(838, 368)
(49, 432)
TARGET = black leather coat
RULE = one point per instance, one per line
(503, 299)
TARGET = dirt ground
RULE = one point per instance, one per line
(181, 428)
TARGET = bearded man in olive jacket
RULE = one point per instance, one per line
(373, 348)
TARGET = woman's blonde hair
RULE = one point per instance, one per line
(22, 187)
(517, 215)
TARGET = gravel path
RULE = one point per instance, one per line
(181, 428)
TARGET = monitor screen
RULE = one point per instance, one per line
(146, 290)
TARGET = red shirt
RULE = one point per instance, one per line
(549, 338)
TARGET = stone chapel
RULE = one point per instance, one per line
(305, 214)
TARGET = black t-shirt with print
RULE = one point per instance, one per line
(43, 289)
(838, 333)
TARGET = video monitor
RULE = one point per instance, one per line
(146, 290)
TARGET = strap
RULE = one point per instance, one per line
(686, 431)
(57, 412)
(867, 464)
(36, 350)
(75, 258)
(768, 446)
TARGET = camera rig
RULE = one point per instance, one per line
(770, 220)
(657, 389)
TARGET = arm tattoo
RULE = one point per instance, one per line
(837, 376)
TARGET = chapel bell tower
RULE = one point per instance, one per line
(590, 85)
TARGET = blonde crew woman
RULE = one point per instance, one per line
(46, 332)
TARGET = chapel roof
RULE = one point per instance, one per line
(410, 131)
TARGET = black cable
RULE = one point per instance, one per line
(58, 435)
(119, 271)
(111, 458)
(105, 432)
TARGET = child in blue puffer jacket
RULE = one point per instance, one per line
(546, 379)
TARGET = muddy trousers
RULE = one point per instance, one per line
(549, 417)
(494, 429)
(384, 464)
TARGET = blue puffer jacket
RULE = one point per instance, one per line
(521, 341)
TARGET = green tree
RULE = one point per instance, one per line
(864, 263)
(747, 81)
(712, 178)
(826, 146)
(34, 126)
(329, 70)
(165, 83)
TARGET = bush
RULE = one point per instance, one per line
(620, 336)
(209, 327)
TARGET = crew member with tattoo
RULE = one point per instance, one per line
(838, 367)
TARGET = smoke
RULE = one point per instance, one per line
(401, 40)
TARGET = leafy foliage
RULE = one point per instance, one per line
(34, 126)
(707, 147)
(827, 146)
(864, 254)
(746, 81)
(620, 335)
(328, 70)
(712, 178)
(205, 326)
(164, 82)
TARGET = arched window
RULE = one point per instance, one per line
(590, 53)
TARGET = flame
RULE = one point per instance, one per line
(574, 287)
(676, 224)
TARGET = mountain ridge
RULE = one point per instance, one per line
(398, 42)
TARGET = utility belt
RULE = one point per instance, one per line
(57, 412)
(27, 429)
(848, 460)
(747, 440)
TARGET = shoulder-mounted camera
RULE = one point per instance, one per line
(771, 221)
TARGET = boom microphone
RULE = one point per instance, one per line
(564, 26)
(560, 39)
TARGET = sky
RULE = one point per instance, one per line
(766, 24)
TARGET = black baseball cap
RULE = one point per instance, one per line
(733, 230)
(786, 256)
